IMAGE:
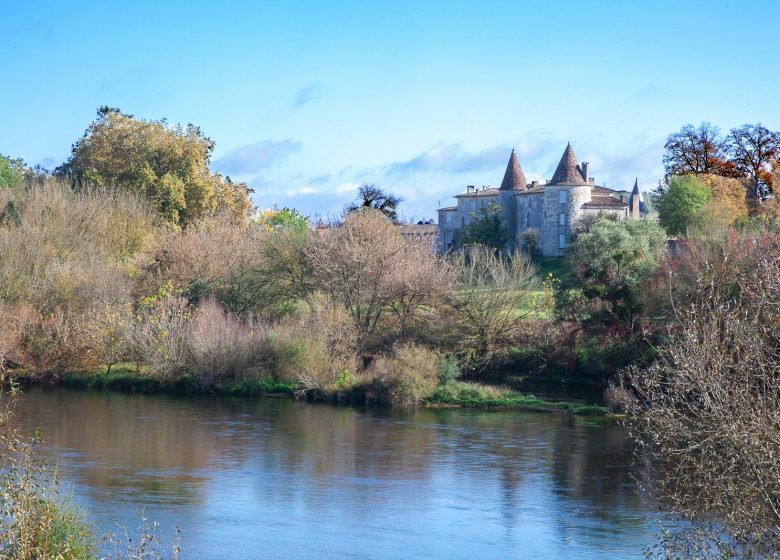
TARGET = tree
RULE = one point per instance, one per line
(168, 165)
(11, 172)
(493, 296)
(697, 150)
(752, 149)
(366, 266)
(610, 263)
(286, 218)
(371, 196)
(485, 228)
(680, 203)
(707, 414)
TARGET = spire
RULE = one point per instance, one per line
(636, 204)
(568, 171)
(514, 178)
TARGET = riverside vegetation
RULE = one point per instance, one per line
(134, 279)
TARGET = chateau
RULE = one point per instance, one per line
(554, 209)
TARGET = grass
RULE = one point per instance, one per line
(550, 265)
(474, 395)
(124, 377)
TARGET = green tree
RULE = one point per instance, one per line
(168, 165)
(10, 172)
(286, 218)
(609, 264)
(486, 228)
(679, 205)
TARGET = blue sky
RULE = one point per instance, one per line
(306, 100)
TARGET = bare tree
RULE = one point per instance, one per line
(707, 416)
(697, 150)
(752, 149)
(492, 298)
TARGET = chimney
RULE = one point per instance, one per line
(469, 189)
(585, 170)
(592, 180)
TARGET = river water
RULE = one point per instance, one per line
(275, 479)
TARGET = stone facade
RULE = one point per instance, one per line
(554, 209)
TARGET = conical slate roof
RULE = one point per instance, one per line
(568, 172)
(637, 192)
(514, 178)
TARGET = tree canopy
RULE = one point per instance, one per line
(371, 196)
(166, 164)
(680, 203)
(486, 228)
(609, 263)
(10, 172)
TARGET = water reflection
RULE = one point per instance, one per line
(266, 478)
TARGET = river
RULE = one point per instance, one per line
(276, 479)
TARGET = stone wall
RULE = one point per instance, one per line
(559, 216)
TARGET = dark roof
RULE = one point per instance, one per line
(605, 202)
(418, 229)
(492, 191)
(514, 178)
(568, 170)
(538, 189)
(636, 192)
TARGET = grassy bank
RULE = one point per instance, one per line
(124, 378)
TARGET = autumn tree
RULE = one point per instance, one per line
(168, 165)
(697, 150)
(752, 148)
(366, 266)
(371, 196)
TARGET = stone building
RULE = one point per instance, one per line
(553, 210)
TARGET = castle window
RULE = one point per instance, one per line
(562, 197)
(562, 241)
(562, 219)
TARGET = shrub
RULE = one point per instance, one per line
(405, 378)
(449, 370)
(158, 336)
(220, 347)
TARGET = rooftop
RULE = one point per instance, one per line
(568, 170)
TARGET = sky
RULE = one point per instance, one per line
(306, 100)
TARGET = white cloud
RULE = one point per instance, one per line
(255, 157)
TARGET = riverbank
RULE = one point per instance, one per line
(123, 378)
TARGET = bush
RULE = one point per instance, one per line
(220, 347)
(158, 336)
(406, 378)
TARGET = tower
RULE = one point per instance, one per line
(564, 196)
(514, 181)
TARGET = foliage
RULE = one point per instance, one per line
(167, 165)
(485, 228)
(608, 266)
(491, 300)
(679, 205)
(370, 269)
(220, 347)
(287, 218)
(407, 377)
(372, 197)
(11, 173)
